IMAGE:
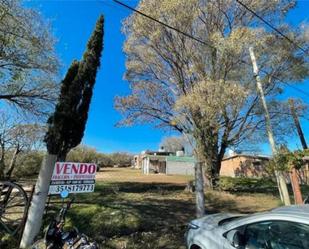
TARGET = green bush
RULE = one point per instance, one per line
(244, 184)
(8, 241)
(28, 164)
(85, 154)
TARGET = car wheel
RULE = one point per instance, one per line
(195, 247)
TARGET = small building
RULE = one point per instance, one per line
(167, 163)
(180, 165)
(137, 162)
(245, 165)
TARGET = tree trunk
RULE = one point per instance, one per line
(2, 167)
(213, 166)
(295, 185)
(297, 124)
(12, 163)
(36, 211)
(283, 189)
(307, 173)
(62, 156)
(2, 164)
(207, 149)
(199, 190)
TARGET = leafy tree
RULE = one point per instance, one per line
(83, 154)
(16, 137)
(208, 91)
(28, 164)
(28, 64)
(66, 125)
(290, 163)
(286, 160)
(176, 143)
(24, 138)
(121, 158)
(105, 161)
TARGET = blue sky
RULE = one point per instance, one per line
(72, 23)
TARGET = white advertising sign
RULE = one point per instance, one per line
(73, 177)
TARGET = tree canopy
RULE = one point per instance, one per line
(67, 123)
(176, 143)
(16, 137)
(208, 91)
(28, 63)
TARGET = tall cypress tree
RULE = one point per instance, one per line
(66, 125)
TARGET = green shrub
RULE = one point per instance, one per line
(7, 241)
(28, 164)
(244, 184)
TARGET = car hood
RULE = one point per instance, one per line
(211, 221)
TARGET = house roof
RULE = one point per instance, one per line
(155, 157)
(157, 153)
(180, 159)
(263, 157)
(171, 158)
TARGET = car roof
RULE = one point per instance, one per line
(297, 213)
(293, 210)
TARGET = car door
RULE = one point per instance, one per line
(249, 236)
(288, 235)
(270, 235)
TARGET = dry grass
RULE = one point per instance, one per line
(135, 175)
(240, 203)
(129, 210)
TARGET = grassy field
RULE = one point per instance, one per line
(131, 210)
(135, 175)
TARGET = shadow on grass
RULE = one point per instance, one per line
(133, 215)
(248, 185)
(141, 215)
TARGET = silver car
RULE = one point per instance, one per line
(281, 228)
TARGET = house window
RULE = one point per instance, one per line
(257, 165)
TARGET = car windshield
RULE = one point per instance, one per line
(227, 220)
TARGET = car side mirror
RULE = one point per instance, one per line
(235, 238)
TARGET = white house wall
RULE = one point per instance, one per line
(179, 168)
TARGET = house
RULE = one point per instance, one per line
(167, 163)
(235, 165)
(245, 165)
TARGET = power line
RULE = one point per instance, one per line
(294, 87)
(271, 26)
(164, 24)
(278, 31)
(202, 42)
(283, 82)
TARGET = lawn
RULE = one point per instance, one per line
(131, 210)
(135, 175)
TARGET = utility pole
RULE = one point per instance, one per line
(297, 124)
(283, 190)
(199, 189)
(293, 174)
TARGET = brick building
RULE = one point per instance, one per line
(244, 165)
